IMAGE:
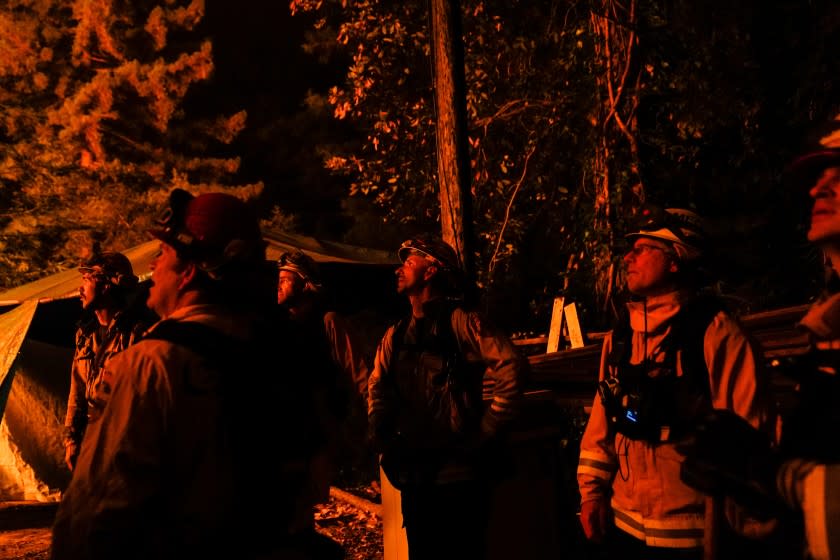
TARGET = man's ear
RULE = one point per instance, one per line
(188, 274)
(674, 267)
(430, 271)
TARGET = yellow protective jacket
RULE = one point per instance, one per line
(649, 501)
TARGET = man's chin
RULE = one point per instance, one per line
(823, 232)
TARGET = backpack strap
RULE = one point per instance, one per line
(622, 336)
(688, 334)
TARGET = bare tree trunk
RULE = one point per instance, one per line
(452, 147)
(616, 52)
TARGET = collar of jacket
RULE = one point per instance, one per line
(823, 318)
(653, 314)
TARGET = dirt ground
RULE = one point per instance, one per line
(359, 531)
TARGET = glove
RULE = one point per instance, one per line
(727, 456)
(594, 516)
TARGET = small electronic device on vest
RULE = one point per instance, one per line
(650, 401)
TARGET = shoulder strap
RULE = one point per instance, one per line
(621, 339)
(398, 336)
(688, 335)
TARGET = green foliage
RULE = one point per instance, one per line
(94, 131)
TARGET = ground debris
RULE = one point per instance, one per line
(357, 530)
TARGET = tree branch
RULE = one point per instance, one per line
(521, 180)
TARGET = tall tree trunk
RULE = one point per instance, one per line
(452, 147)
(616, 51)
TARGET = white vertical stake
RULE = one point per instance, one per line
(556, 326)
(575, 334)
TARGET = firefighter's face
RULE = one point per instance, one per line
(414, 274)
(825, 214)
(651, 267)
(289, 287)
(92, 291)
(170, 277)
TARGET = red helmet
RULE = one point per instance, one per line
(213, 229)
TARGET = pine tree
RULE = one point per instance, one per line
(95, 129)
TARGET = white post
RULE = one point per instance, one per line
(556, 326)
(575, 334)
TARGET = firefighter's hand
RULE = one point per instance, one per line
(594, 516)
(70, 456)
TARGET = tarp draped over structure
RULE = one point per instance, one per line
(36, 338)
(66, 284)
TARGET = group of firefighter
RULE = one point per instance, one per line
(208, 404)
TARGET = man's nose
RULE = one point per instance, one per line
(826, 184)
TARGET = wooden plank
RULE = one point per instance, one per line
(573, 325)
(356, 501)
(537, 340)
(556, 326)
(575, 370)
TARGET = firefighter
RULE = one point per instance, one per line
(114, 317)
(802, 473)
(672, 355)
(439, 441)
(209, 428)
(342, 389)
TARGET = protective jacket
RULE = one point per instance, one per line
(94, 347)
(426, 393)
(175, 467)
(649, 501)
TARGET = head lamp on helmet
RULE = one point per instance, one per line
(432, 248)
(113, 266)
(303, 265)
(213, 229)
(679, 227)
